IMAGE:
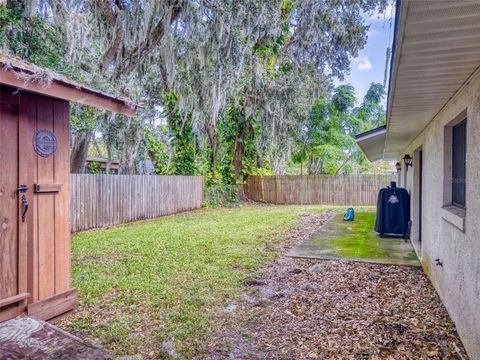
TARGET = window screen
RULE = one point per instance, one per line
(459, 152)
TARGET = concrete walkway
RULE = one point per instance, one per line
(356, 241)
(33, 339)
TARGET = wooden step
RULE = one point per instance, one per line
(13, 299)
(54, 306)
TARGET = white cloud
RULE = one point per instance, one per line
(371, 32)
(363, 63)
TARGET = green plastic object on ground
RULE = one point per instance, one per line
(350, 215)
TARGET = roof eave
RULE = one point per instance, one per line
(69, 91)
(371, 142)
(398, 33)
(371, 133)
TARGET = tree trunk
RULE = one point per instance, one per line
(245, 133)
(109, 161)
(128, 156)
(315, 167)
(238, 154)
(127, 165)
(260, 162)
(78, 155)
(343, 164)
(153, 156)
(213, 140)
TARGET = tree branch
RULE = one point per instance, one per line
(139, 53)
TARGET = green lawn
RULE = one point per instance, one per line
(143, 284)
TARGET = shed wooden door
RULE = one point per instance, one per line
(12, 230)
(34, 253)
(48, 222)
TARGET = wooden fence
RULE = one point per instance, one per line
(317, 189)
(106, 200)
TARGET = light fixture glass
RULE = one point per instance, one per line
(408, 160)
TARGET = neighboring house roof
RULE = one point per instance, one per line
(101, 159)
(19, 74)
(436, 51)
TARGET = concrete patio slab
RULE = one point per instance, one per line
(34, 339)
(356, 241)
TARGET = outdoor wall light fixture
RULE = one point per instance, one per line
(408, 160)
(398, 166)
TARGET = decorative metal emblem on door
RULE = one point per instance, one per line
(44, 142)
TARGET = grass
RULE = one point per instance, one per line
(142, 284)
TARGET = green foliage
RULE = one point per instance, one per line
(377, 167)
(343, 99)
(372, 112)
(238, 137)
(254, 81)
(157, 153)
(261, 171)
(220, 195)
(182, 137)
(183, 161)
(327, 142)
(35, 40)
(287, 7)
(94, 167)
(84, 118)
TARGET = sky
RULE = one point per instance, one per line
(369, 65)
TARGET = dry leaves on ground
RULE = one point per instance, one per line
(320, 309)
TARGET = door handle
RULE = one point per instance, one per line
(22, 189)
(24, 207)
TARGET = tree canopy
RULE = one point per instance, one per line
(228, 88)
(327, 144)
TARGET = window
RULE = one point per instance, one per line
(459, 152)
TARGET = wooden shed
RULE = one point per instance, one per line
(35, 268)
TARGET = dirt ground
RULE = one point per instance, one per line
(330, 309)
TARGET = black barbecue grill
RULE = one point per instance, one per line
(393, 212)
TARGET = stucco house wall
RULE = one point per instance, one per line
(458, 280)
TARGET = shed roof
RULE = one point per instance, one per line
(19, 74)
(436, 51)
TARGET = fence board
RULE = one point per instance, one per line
(100, 200)
(349, 190)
